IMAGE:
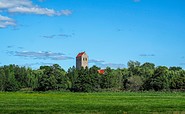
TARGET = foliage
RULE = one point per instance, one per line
(134, 83)
(53, 78)
(137, 77)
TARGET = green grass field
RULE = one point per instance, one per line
(106, 102)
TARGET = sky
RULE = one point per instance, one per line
(111, 32)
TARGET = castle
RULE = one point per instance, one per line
(82, 60)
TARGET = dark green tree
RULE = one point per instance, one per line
(2, 79)
(159, 81)
(11, 84)
(81, 83)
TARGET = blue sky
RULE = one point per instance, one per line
(112, 32)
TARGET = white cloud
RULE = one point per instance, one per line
(4, 4)
(33, 10)
(6, 21)
(26, 7)
(4, 18)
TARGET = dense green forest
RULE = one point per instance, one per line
(136, 77)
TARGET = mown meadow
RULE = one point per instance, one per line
(101, 102)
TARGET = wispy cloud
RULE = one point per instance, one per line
(118, 29)
(41, 0)
(65, 35)
(147, 55)
(13, 46)
(10, 46)
(37, 54)
(95, 61)
(20, 47)
(58, 35)
(182, 64)
(112, 65)
(6, 21)
(37, 63)
(44, 55)
(61, 58)
(26, 7)
(136, 0)
(65, 12)
(103, 64)
(50, 36)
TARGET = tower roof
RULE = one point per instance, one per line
(80, 54)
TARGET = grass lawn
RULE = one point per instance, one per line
(106, 102)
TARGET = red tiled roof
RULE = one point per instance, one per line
(101, 71)
(80, 54)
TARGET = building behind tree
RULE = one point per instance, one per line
(81, 60)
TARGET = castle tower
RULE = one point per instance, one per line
(81, 60)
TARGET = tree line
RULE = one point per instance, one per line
(136, 77)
